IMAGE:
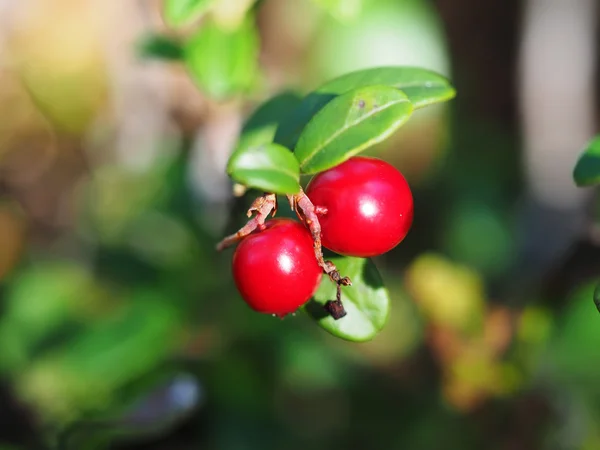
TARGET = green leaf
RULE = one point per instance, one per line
(350, 124)
(223, 62)
(259, 163)
(367, 302)
(587, 169)
(269, 167)
(422, 87)
(260, 127)
(182, 12)
(156, 46)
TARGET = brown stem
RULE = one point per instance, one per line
(262, 206)
(307, 213)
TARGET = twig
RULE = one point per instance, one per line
(307, 213)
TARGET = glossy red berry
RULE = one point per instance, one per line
(364, 205)
(275, 270)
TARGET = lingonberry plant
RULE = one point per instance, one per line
(354, 206)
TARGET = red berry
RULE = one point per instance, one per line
(275, 270)
(365, 206)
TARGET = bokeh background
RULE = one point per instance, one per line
(120, 327)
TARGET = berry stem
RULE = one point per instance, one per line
(308, 214)
(262, 206)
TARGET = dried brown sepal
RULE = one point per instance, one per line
(335, 307)
(260, 208)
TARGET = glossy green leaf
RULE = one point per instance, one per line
(587, 169)
(269, 167)
(156, 46)
(422, 87)
(350, 124)
(259, 128)
(366, 302)
(182, 12)
(223, 62)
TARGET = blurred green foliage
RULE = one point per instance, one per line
(223, 61)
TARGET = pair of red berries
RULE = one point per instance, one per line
(365, 208)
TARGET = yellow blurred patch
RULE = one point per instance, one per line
(447, 294)
(56, 50)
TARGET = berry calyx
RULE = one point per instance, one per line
(275, 269)
(364, 206)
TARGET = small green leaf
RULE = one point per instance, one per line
(223, 62)
(587, 169)
(156, 46)
(422, 87)
(350, 124)
(367, 301)
(269, 167)
(260, 127)
(182, 12)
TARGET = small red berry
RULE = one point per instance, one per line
(275, 270)
(365, 206)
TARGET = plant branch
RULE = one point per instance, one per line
(307, 213)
